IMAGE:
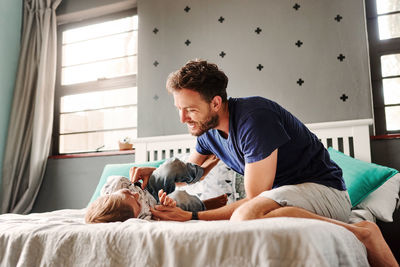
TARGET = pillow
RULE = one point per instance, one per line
(239, 187)
(220, 180)
(361, 178)
(119, 169)
(382, 202)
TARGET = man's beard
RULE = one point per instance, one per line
(203, 127)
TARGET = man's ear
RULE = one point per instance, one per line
(216, 103)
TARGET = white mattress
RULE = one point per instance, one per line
(61, 238)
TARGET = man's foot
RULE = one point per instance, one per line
(379, 253)
(216, 202)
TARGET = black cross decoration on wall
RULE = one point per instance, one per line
(187, 9)
(222, 54)
(260, 67)
(155, 63)
(221, 19)
(258, 30)
(341, 57)
(299, 43)
(296, 6)
(338, 18)
(344, 97)
(155, 30)
(300, 82)
(188, 42)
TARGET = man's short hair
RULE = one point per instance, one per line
(108, 208)
(200, 76)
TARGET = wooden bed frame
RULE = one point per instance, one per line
(350, 137)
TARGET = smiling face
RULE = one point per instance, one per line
(131, 199)
(198, 115)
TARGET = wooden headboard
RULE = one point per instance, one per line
(352, 137)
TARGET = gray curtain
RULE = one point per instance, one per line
(31, 119)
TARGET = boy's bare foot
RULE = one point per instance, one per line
(216, 202)
(379, 253)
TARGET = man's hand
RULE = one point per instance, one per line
(166, 200)
(208, 164)
(141, 173)
(164, 213)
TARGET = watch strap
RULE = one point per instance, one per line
(195, 215)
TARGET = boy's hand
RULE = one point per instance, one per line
(141, 173)
(166, 200)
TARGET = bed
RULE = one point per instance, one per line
(61, 238)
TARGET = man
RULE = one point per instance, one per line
(287, 171)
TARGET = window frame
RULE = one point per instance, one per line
(92, 86)
(378, 48)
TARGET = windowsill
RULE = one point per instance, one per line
(385, 137)
(94, 154)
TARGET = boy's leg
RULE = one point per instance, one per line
(173, 171)
(187, 202)
(216, 202)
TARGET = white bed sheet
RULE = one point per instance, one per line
(61, 238)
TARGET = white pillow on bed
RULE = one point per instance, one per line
(382, 202)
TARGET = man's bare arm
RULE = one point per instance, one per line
(259, 176)
(177, 214)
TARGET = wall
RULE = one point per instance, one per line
(10, 34)
(326, 78)
(70, 183)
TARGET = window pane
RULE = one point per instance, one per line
(100, 99)
(386, 6)
(389, 26)
(98, 120)
(100, 29)
(114, 46)
(91, 141)
(390, 65)
(99, 70)
(392, 118)
(391, 91)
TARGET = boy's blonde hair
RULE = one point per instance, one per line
(109, 208)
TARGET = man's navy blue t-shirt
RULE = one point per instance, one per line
(258, 126)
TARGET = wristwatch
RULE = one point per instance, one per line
(195, 216)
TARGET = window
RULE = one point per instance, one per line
(96, 93)
(383, 21)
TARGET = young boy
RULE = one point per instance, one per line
(121, 200)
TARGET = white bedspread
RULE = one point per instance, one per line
(61, 238)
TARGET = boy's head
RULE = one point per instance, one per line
(118, 206)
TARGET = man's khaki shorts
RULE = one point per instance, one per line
(316, 198)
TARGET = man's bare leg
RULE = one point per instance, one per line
(379, 253)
